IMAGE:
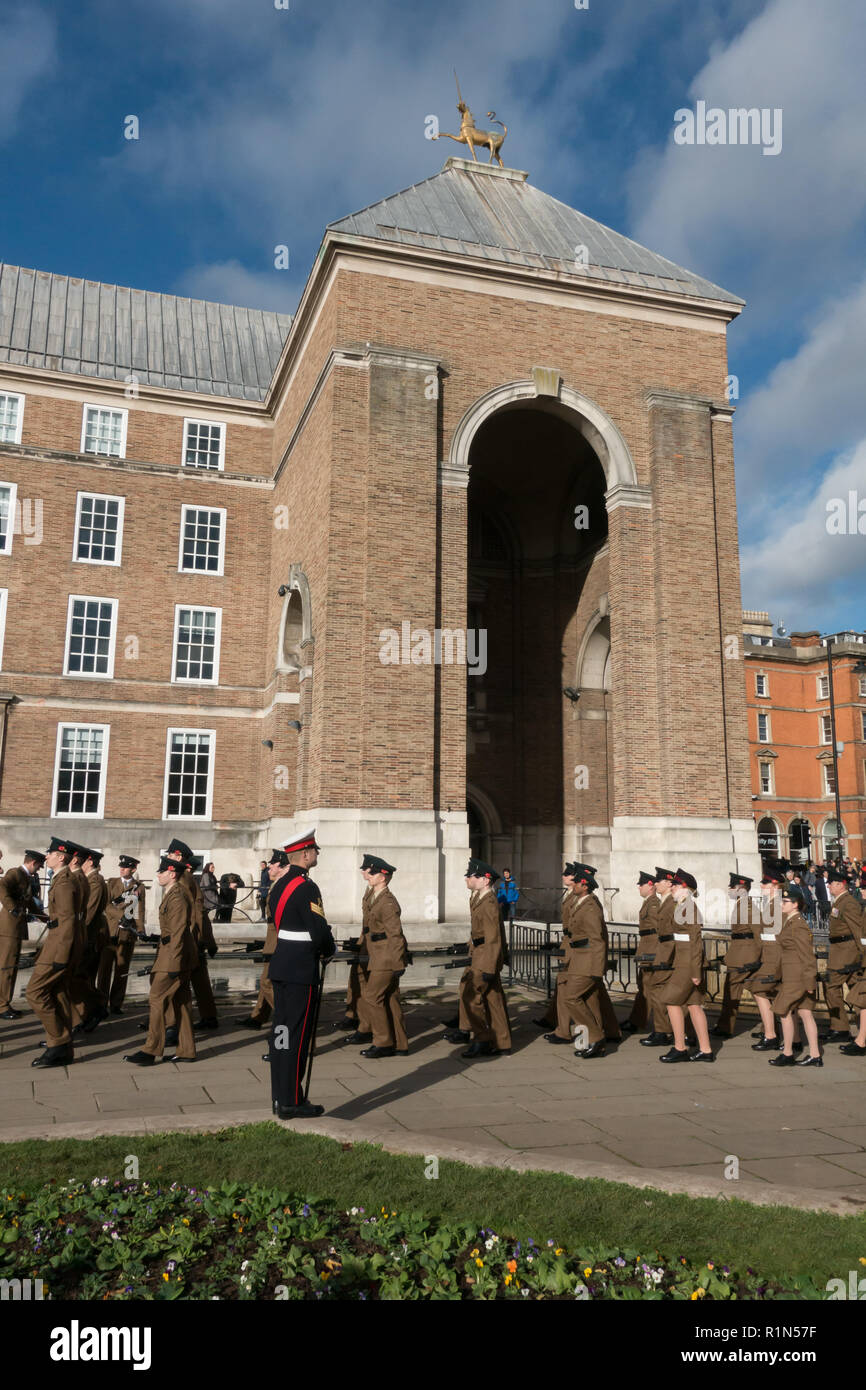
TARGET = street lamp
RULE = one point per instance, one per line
(859, 668)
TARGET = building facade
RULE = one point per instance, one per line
(794, 772)
(437, 562)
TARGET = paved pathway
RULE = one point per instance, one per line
(796, 1135)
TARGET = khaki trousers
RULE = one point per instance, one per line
(265, 1002)
(112, 976)
(166, 993)
(482, 1005)
(382, 1009)
(580, 1002)
(200, 985)
(354, 991)
(10, 950)
(658, 1013)
(640, 1009)
(834, 994)
(85, 998)
(48, 997)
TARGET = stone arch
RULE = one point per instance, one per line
(588, 418)
(593, 657)
(486, 809)
(294, 648)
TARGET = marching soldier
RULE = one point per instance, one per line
(579, 1000)
(279, 862)
(660, 1034)
(170, 976)
(203, 936)
(124, 915)
(388, 956)
(303, 937)
(845, 959)
(799, 971)
(88, 1005)
(569, 902)
(743, 956)
(765, 981)
(482, 1002)
(48, 991)
(685, 988)
(355, 1017)
(16, 901)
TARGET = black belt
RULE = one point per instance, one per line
(741, 935)
(746, 969)
(652, 968)
(584, 941)
(669, 937)
(769, 980)
(476, 940)
(381, 936)
(845, 969)
(837, 940)
(641, 960)
(646, 931)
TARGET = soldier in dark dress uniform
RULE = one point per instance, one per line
(303, 938)
(16, 899)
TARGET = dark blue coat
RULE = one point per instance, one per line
(303, 934)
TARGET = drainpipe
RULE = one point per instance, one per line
(6, 700)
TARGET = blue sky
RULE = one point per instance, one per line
(259, 125)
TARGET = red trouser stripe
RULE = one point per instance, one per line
(301, 1045)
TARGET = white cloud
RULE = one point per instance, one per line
(28, 54)
(229, 282)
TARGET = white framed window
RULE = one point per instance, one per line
(202, 539)
(90, 633)
(829, 780)
(197, 645)
(823, 684)
(766, 771)
(763, 728)
(79, 770)
(8, 503)
(103, 431)
(826, 729)
(4, 597)
(11, 416)
(98, 529)
(862, 687)
(762, 687)
(863, 723)
(204, 444)
(189, 762)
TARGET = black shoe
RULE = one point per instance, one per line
(92, 1023)
(718, 1032)
(249, 1022)
(11, 1013)
(141, 1059)
(835, 1035)
(656, 1040)
(356, 1039)
(206, 1023)
(759, 1034)
(346, 1025)
(379, 1052)
(54, 1056)
(299, 1112)
(182, 1059)
(702, 1056)
(675, 1056)
(143, 1027)
(266, 1056)
(595, 1049)
(809, 1062)
(171, 1037)
(767, 1045)
(783, 1060)
(481, 1049)
(555, 1038)
(457, 1035)
(797, 1047)
(629, 1027)
(853, 1049)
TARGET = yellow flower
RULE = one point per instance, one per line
(507, 1280)
(324, 1274)
(165, 1277)
(557, 1251)
(694, 1295)
(710, 1264)
(862, 1260)
(475, 1251)
(587, 1272)
(185, 1220)
(480, 1263)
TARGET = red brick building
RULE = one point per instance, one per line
(791, 740)
(435, 562)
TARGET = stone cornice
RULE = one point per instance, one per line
(627, 495)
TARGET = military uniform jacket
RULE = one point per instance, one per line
(688, 938)
(386, 944)
(847, 926)
(16, 897)
(569, 903)
(82, 897)
(117, 914)
(664, 960)
(62, 932)
(648, 938)
(485, 933)
(797, 952)
(588, 945)
(97, 901)
(303, 934)
(745, 947)
(177, 950)
(271, 934)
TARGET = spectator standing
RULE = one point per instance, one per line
(209, 887)
(507, 893)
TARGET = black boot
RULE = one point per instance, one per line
(303, 1111)
(481, 1049)
(208, 1023)
(595, 1049)
(457, 1035)
(809, 1062)
(356, 1039)
(656, 1040)
(783, 1060)
(54, 1056)
(555, 1038)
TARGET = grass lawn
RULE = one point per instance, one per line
(777, 1242)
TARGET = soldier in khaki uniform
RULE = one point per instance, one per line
(88, 1005)
(685, 988)
(846, 923)
(388, 956)
(799, 971)
(203, 937)
(743, 955)
(765, 981)
(482, 1002)
(170, 976)
(355, 1018)
(48, 991)
(647, 958)
(277, 865)
(579, 1000)
(124, 915)
(569, 903)
(16, 900)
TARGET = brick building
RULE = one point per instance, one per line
(791, 745)
(438, 561)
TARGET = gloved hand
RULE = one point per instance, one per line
(212, 950)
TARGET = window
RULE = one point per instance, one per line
(829, 780)
(761, 687)
(763, 728)
(863, 723)
(103, 431)
(823, 683)
(202, 544)
(11, 415)
(4, 595)
(98, 529)
(188, 774)
(863, 687)
(79, 782)
(204, 444)
(826, 729)
(90, 625)
(766, 778)
(197, 644)
(8, 500)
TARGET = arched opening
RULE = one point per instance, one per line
(768, 838)
(833, 839)
(293, 631)
(800, 841)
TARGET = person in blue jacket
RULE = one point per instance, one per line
(507, 893)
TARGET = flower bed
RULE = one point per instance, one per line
(130, 1240)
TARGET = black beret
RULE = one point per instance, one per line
(126, 861)
(379, 866)
(739, 881)
(478, 869)
(645, 878)
(36, 855)
(279, 856)
(686, 880)
(178, 847)
(166, 863)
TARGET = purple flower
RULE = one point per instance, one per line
(306, 1210)
(619, 1261)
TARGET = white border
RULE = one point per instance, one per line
(4, 599)
(175, 729)
(822, 741)
(91, 675)
(818, 680)
(124, 421)
(105, 497)
(198, 608)
(771, 790)
(765, 694)
(197, 467)
(204, 574)
(763, 742)
(13, 514)
(103, 773)
(20, 398)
